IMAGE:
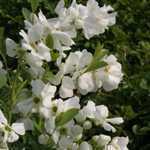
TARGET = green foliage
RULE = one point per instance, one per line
(65, 117)
(3, 79)
(49, 41)
(129, 39)
(97, 59)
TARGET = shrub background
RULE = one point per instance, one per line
(129, 39)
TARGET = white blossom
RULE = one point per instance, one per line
(67, 86)
(11, 47)
(43, 139)
(85, 145)
(111, 75)
(11, 133)
(98, 19)
(86, 83)
(118, 143)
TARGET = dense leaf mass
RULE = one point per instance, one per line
(129, 39)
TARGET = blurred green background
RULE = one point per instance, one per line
(129, 40)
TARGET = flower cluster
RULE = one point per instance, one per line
(60, 77)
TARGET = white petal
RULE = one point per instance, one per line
(60, 7)
(64, 38)
(2, 118)
(10, 47)
(86, 83)
(43, 139)
(65, 92)
(117, 120)
(18, 128)
(102, 110)
(12, 137)
(37, 87)
(72, 103)
(48, 91)
(28, 123)
(85, 146)
(109, 127)
(50, 125)
(25, 106)
(35, 33)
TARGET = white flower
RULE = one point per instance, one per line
(16, 130)
(33, 42)
(85, 146)
(50, 124)
(71, 103)
(11, 47)
(44, 91)
(25, 106)
(11, 133)
(86, 83)
(77, 61)
(75, 14)
(101, 140)
(99, 114)
(67, 86)
(43, 139)
(98, 19)
(87, 125)
(41, 99)
(74, 131)
(101, 117)
(61, 40)
(3, 120)
(65, 143)
(111, 75)
(118, 143)
(1, 65)
(28, 123)
(37, 87)
(35, 64)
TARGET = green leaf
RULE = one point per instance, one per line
(49, 41)
(95, 65)
(48, 76)
(54, 55)
(65, 117)
(26, 13)
(1, 39)
(34, 4)
(3, 79)
(97, 61)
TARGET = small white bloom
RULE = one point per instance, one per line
(98, 19)
(67, 86)
(28, 123)
(86, 83)
(50, 124)
(1, 65)
(71, 103)
(77, 61)
(102, 140)
(37, 87)
(85, 146)
(89, 110)
(65, 143)
(111, 75)
(11, 47)
(43, 139)
(11, 133)
(118, 143)
(24, 106)
(87, 125)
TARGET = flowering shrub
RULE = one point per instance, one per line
(52, 77)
